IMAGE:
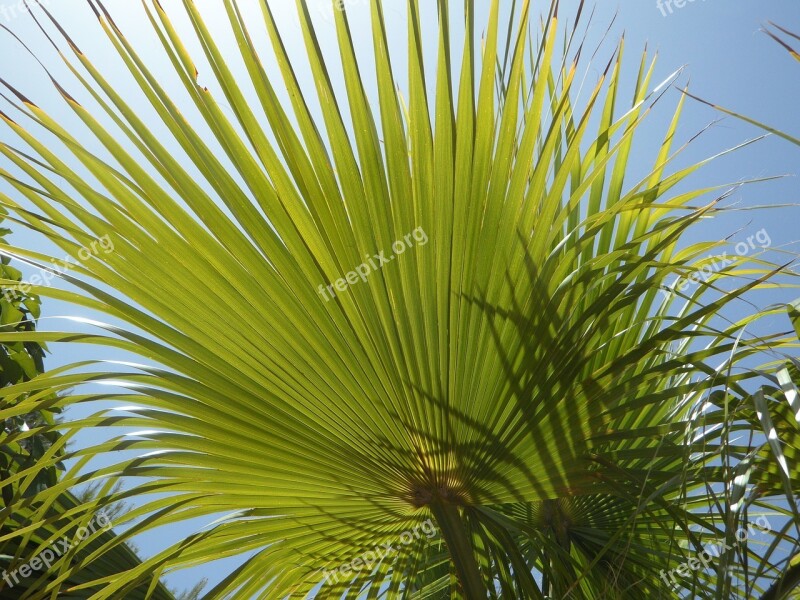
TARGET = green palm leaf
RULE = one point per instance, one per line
(514, 348)
(101, 556)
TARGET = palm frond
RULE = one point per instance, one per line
(410, 303)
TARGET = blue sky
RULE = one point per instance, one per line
(725, 59)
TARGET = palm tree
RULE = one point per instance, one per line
(414, 341)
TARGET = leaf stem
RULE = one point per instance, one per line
(454, 532)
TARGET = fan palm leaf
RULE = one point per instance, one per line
(363, 311)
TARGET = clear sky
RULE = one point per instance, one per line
(727, 60)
